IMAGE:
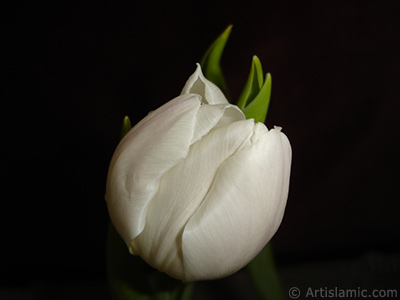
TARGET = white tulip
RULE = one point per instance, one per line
(197, 190)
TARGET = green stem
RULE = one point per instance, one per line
(265, 276)
(130, 278)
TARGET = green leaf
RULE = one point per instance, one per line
(130, 278)
(258, 108)
(264, 274)
(253, 84)
(126, 126)
(123, 271)
(254, 102)
(210, 63)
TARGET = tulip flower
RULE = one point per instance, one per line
(195, 189)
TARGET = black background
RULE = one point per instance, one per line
(72, 71)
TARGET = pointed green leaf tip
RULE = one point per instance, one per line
(210, 63)
(254, 99)
(126, 126)
(253, 84)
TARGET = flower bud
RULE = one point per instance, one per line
(195, 189)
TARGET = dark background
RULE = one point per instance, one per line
(72, 71)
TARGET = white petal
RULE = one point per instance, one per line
(181, 192)
(242, 210)
(151, 148)
(198, 84)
